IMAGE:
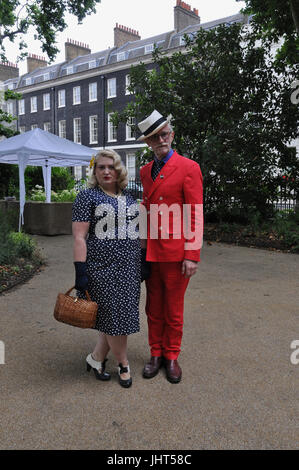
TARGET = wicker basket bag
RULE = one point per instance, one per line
(74, 311)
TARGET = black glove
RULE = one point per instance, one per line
(81, 282)
(145, 266)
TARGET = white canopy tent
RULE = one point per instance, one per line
(41, 148)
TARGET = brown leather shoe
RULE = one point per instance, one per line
(173, 371)
(152, 367)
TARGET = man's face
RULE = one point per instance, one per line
(161, 142)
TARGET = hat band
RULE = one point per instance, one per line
(153, 126)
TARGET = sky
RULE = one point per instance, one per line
(148, 17)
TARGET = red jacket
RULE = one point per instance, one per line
(179, 183)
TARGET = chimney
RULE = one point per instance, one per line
(75, 48)
(184, 16)
(122, 34)
(8, 70)
(34, 62)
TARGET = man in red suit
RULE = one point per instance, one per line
(173, 197)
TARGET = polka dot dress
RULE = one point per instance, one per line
(113, 258)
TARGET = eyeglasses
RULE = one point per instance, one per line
(163, 135)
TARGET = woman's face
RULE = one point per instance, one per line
(105, 173)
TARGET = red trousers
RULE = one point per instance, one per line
(165, 290)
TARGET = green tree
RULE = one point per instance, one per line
(47, 17)
(231, 112)
(7, 118)
(275, 20)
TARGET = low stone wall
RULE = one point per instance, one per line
(40, 218)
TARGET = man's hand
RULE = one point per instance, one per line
(189, 267)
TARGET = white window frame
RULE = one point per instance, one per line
(112, 131)
(46, 76)
(47, 125)
(46, 101)
(61, 103)
(62, 128)
(33, 104)
(148, 48)
(128, 82)
(21, 107)
(111, 88)
(77, 95)
(129, 132)
(120, 56)
(10, 107)
(69, 70)
(129, 167)
(22, 129)
(28, 81)
(93, 91)
(77, 130)
(92, 64)
(93, 129)
(182, 41)
(34, 126)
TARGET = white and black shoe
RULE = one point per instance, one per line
(122, 370)
(98, 368)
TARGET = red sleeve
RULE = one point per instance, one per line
(193, 212)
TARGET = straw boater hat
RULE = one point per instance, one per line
(152, 124)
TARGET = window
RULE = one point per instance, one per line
(93, 92)
(148, 48)
(10, 107)
(76, 95)
(62, 129)
(121, 56)
(69, 70)
(130, 134)
(34, 126)
(93, 129)
(92, 64)
(46, 101)
(22, 129)
(46, 76)
(47, 126)
(33, 102)
(77, 130)
(111, 88)
(112, 133)
(28, 81)
(182, 41)
(130, 164)
(128, 81)
(22, 107)
(61, 98)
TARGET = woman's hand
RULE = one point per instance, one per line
(81, 282)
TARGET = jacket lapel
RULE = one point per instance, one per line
(166, 171)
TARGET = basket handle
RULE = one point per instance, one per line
(86, 292)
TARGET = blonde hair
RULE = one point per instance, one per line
(122, 174)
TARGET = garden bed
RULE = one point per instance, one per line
(18, 273)
(270, 239)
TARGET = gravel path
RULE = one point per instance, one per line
(239, 388)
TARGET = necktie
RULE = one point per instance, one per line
(157, 166)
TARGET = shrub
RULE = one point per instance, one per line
(13, 245)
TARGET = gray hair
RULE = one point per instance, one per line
(122, 174)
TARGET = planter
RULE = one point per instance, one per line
(40, 218)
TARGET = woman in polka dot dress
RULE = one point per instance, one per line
(107, 261)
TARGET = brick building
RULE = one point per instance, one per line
(69, 98)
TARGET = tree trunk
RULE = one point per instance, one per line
(295, 14)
